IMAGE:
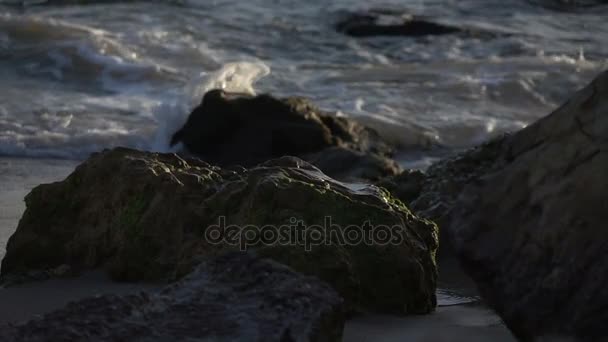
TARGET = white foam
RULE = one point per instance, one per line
(235, 77)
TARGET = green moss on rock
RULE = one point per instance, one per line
(144, 216)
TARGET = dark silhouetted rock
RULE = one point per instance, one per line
(568, 5)
(388, 22)
(350, 165)
(383, 23)
(237, 129)
(147, 216)
(235, 297)
(532, 234)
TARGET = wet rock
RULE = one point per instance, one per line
(238, 129)
(406, 185)
(350, 165)
(568, 5)
(234, 297)
(531, 233)
(150, 216)
(433, 193)
(391, 23)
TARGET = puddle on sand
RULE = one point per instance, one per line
(446, 297)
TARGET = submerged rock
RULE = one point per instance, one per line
(234, 297)
(568, 5)
(389, 23)
(149, 216)
(532, 233)
(238, 129)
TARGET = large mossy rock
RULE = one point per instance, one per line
(234, 297)
(149, 216)
(229, 129)
(533, 233)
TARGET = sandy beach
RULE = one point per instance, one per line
(456, 318)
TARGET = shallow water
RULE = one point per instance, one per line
(76, 79)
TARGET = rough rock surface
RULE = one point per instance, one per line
(234, 297)
(533, 234)
(148, 216)
(433, 193)
(238, 129)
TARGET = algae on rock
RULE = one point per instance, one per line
(146, 216)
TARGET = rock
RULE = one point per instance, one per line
(433, 193)
(234, 297)
(237, 129)
(531, 233)
(350, 165)
(568, 5)
(406, 185)
(149, 216)
(377, 22)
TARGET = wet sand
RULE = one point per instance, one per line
(21, 303)
(459, 316)
(447, 324)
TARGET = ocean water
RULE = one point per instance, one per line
(77, 79)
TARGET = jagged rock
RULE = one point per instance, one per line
(532, 233)
(433, 193)
(149, 216)
(234, 297)
(238, 129)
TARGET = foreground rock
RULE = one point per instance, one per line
(148, 216)
(235, 297)
(532, 234)
(433, 193)
(237, 129)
